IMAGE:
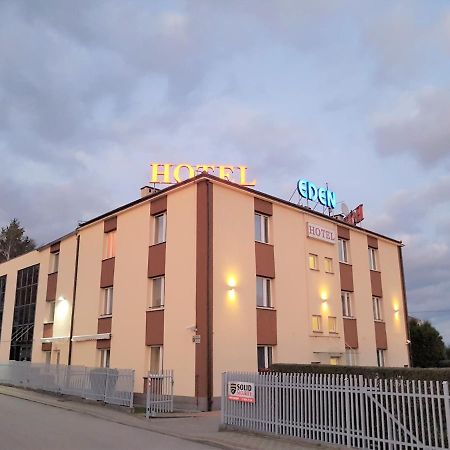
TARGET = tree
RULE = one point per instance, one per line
(14, 242)
(427, 345)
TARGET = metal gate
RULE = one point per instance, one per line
(159, 393)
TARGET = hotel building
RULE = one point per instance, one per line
(202, 277)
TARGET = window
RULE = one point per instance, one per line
(332, 325)
(104, 357)
(109, 245)
(263, 292)
(351, 357)
(158, 287)
(160, 228)
(261, 228)
(347, 310)
(317, 324)
(108, 297)
(334, 360)
(313, 262)
(328, 265)
(48, 357)
(343, 250)
(54, 262)
(156, 360)
(380, 358)
(50, 317)
(373, 259)
(264, 357)
(377, 308)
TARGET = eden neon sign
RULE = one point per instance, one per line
(166, 173)
(311, 192)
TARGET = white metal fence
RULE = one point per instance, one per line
(159, 393)
(344, 410)
(113, 386)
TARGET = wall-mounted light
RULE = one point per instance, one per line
(61, 308)
(396, 309)
(232, 294)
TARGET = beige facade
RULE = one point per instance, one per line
(173, 281)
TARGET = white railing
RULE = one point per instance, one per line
(345, 410)
(159, 394)
(113, 386)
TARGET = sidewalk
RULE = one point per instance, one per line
(195, 427)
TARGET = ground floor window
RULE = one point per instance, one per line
(335, 360)
(105, 357)
(381, 357)
(264, 357)
(156, 359)
(351, 357)
(48, 357)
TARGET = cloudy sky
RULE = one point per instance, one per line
(353, 93)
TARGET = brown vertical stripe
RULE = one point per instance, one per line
(380, 335)
(48, 330)
(203, 350)
(266, 326)
(107, 274)
(54, 248)
(350, 333)
(158, 206)
(154, 327)
(346, 275)
(52, 281)
(110, 224)
(46, 346)
(343, 233)
(104, 325)
(103, 344)
(157, 260)
(265, 260)
(372, 242)
(375, 281)
(263, 207)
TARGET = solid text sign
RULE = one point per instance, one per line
(321, 233)
(311, 192)
(166, 173)
(241, 391)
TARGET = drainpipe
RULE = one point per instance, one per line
(75, 280)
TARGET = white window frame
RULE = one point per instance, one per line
(105, 358)
(161, 279)
(332, 320)
(316, 319)
(347, 304)
(381, 357)
(377, 303)
(50, 312)
(343, 251)
(160, 368)
(373, 256)
(262, 227)
(157, 238)
(268, 356)
(266, 291)
(315, 259)
(109, 244)
(351, 357)
(107, 301)
(330, 268)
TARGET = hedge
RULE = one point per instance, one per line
(438, 374)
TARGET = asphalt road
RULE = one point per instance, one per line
(26, 425)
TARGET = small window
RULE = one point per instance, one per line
(347, 309)
(263, 292)
(334, 360)
(158, 288)
(380, 358)
(377, 308)
(160, 228)
(343, 250)
(313, 262)
(108, 297)
(156, 360)
(317, 324)
(261, 228)
(104, 357)
(264, 357)
(332, 325)
(48, 357)
(50, 317)
(54, 262)
(373, 259)
(109, 245)
(329, 265)
(351, 357)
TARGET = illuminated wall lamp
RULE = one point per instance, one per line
(396, 309)
(232, 294)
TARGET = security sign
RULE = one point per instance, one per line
(241, 391)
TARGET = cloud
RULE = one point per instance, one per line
(421, 131)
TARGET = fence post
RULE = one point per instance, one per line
(222, 405)
(347, 412)
(147, 402)
(447, 410)
(106, 386)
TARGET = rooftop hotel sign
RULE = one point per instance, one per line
(311, 192)
(166, 173)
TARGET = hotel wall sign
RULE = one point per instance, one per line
(166, 173)
(311, 192)
(317, 232)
